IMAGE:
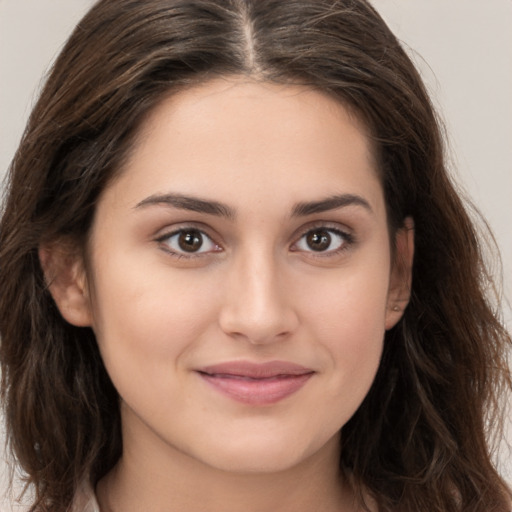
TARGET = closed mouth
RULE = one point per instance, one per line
(256, 383)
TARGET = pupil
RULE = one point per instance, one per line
(190, 241)
(319, 240)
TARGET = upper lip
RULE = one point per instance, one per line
(255, 370)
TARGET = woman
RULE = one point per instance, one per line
(235, 274)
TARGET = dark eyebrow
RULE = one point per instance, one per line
(330, 203)
(302, 209)
(193, 204)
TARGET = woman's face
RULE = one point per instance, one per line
(240, 276)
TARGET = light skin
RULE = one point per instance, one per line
(248, 224)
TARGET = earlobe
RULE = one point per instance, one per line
(401, 274)
(65, 277)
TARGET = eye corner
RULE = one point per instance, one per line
(330, 241)
(187, 242)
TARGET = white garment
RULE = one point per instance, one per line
(85, 500)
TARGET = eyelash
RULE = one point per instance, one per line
(347, 241)
(164, 242)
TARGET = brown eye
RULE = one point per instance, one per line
(323, 240)
(190, 241)
(318, 240)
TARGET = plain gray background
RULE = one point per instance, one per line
(462, 47)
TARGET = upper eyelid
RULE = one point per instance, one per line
(181, 254)
(345, 233)
(169, 231)
(327, 225)
(337, 231)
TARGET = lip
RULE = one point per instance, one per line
(256, 383)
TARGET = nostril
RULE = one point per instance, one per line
(257, 327)
(256, 305)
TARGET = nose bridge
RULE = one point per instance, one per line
(257, 305)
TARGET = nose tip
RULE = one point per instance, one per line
(246, 325)
(258, 308)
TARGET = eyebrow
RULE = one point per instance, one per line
(330, 203)
(189, 203)
(302, 209)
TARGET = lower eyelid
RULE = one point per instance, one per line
(163, 241)
(347, 239)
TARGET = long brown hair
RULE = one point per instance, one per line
(419, 441)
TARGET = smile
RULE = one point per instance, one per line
(256, 384)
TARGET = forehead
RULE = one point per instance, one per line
(238, 138)
(250, 109)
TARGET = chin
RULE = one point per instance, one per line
(252, 462)
(265, 453)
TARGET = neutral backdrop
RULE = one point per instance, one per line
(462, 47)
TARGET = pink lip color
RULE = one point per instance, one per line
(256, 384)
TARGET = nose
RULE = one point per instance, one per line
(257, 305)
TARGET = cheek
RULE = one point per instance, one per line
(355, 348)
(348, 315)
(352, 300)
(147, 322)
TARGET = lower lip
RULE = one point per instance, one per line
(257, 391)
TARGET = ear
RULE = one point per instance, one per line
(401, 274)
(64, 273)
